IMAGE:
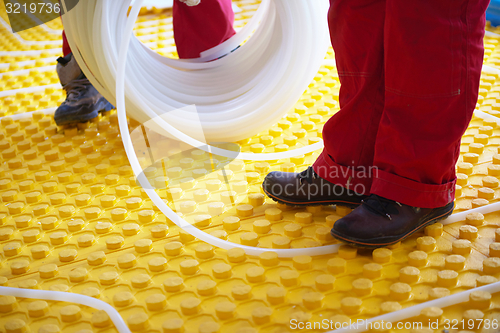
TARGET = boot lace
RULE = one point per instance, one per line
(75, 88)
(382, 206)
(308, 175)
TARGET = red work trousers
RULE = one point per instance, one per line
(196, 28)
(409, 73)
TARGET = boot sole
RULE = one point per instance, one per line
(391, 240)
(83, 118)
(311, 203)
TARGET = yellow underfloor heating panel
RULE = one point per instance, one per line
(73, 219)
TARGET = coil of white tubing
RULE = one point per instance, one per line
(143, 181)
(119, 65)
(245, 91)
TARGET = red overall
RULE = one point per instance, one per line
(409, 73)
(197, 28)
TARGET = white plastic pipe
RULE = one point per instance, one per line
(70, 298)
(94, 47)
(397, 316)
(29, 42)
(144, 182)
(54, 51)
(414, 311)
(117, 57)
(28, 90)
(491, 208)
(242, 93)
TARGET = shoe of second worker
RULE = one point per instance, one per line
(379, 222)
(83, 102)
(307, 189)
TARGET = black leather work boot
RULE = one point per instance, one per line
(379, 222)
(307, 189)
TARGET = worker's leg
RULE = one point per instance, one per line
(65, 46)
(83, 102)
(357, 35)
(199, 28)
(345, 166)
(433, 60)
